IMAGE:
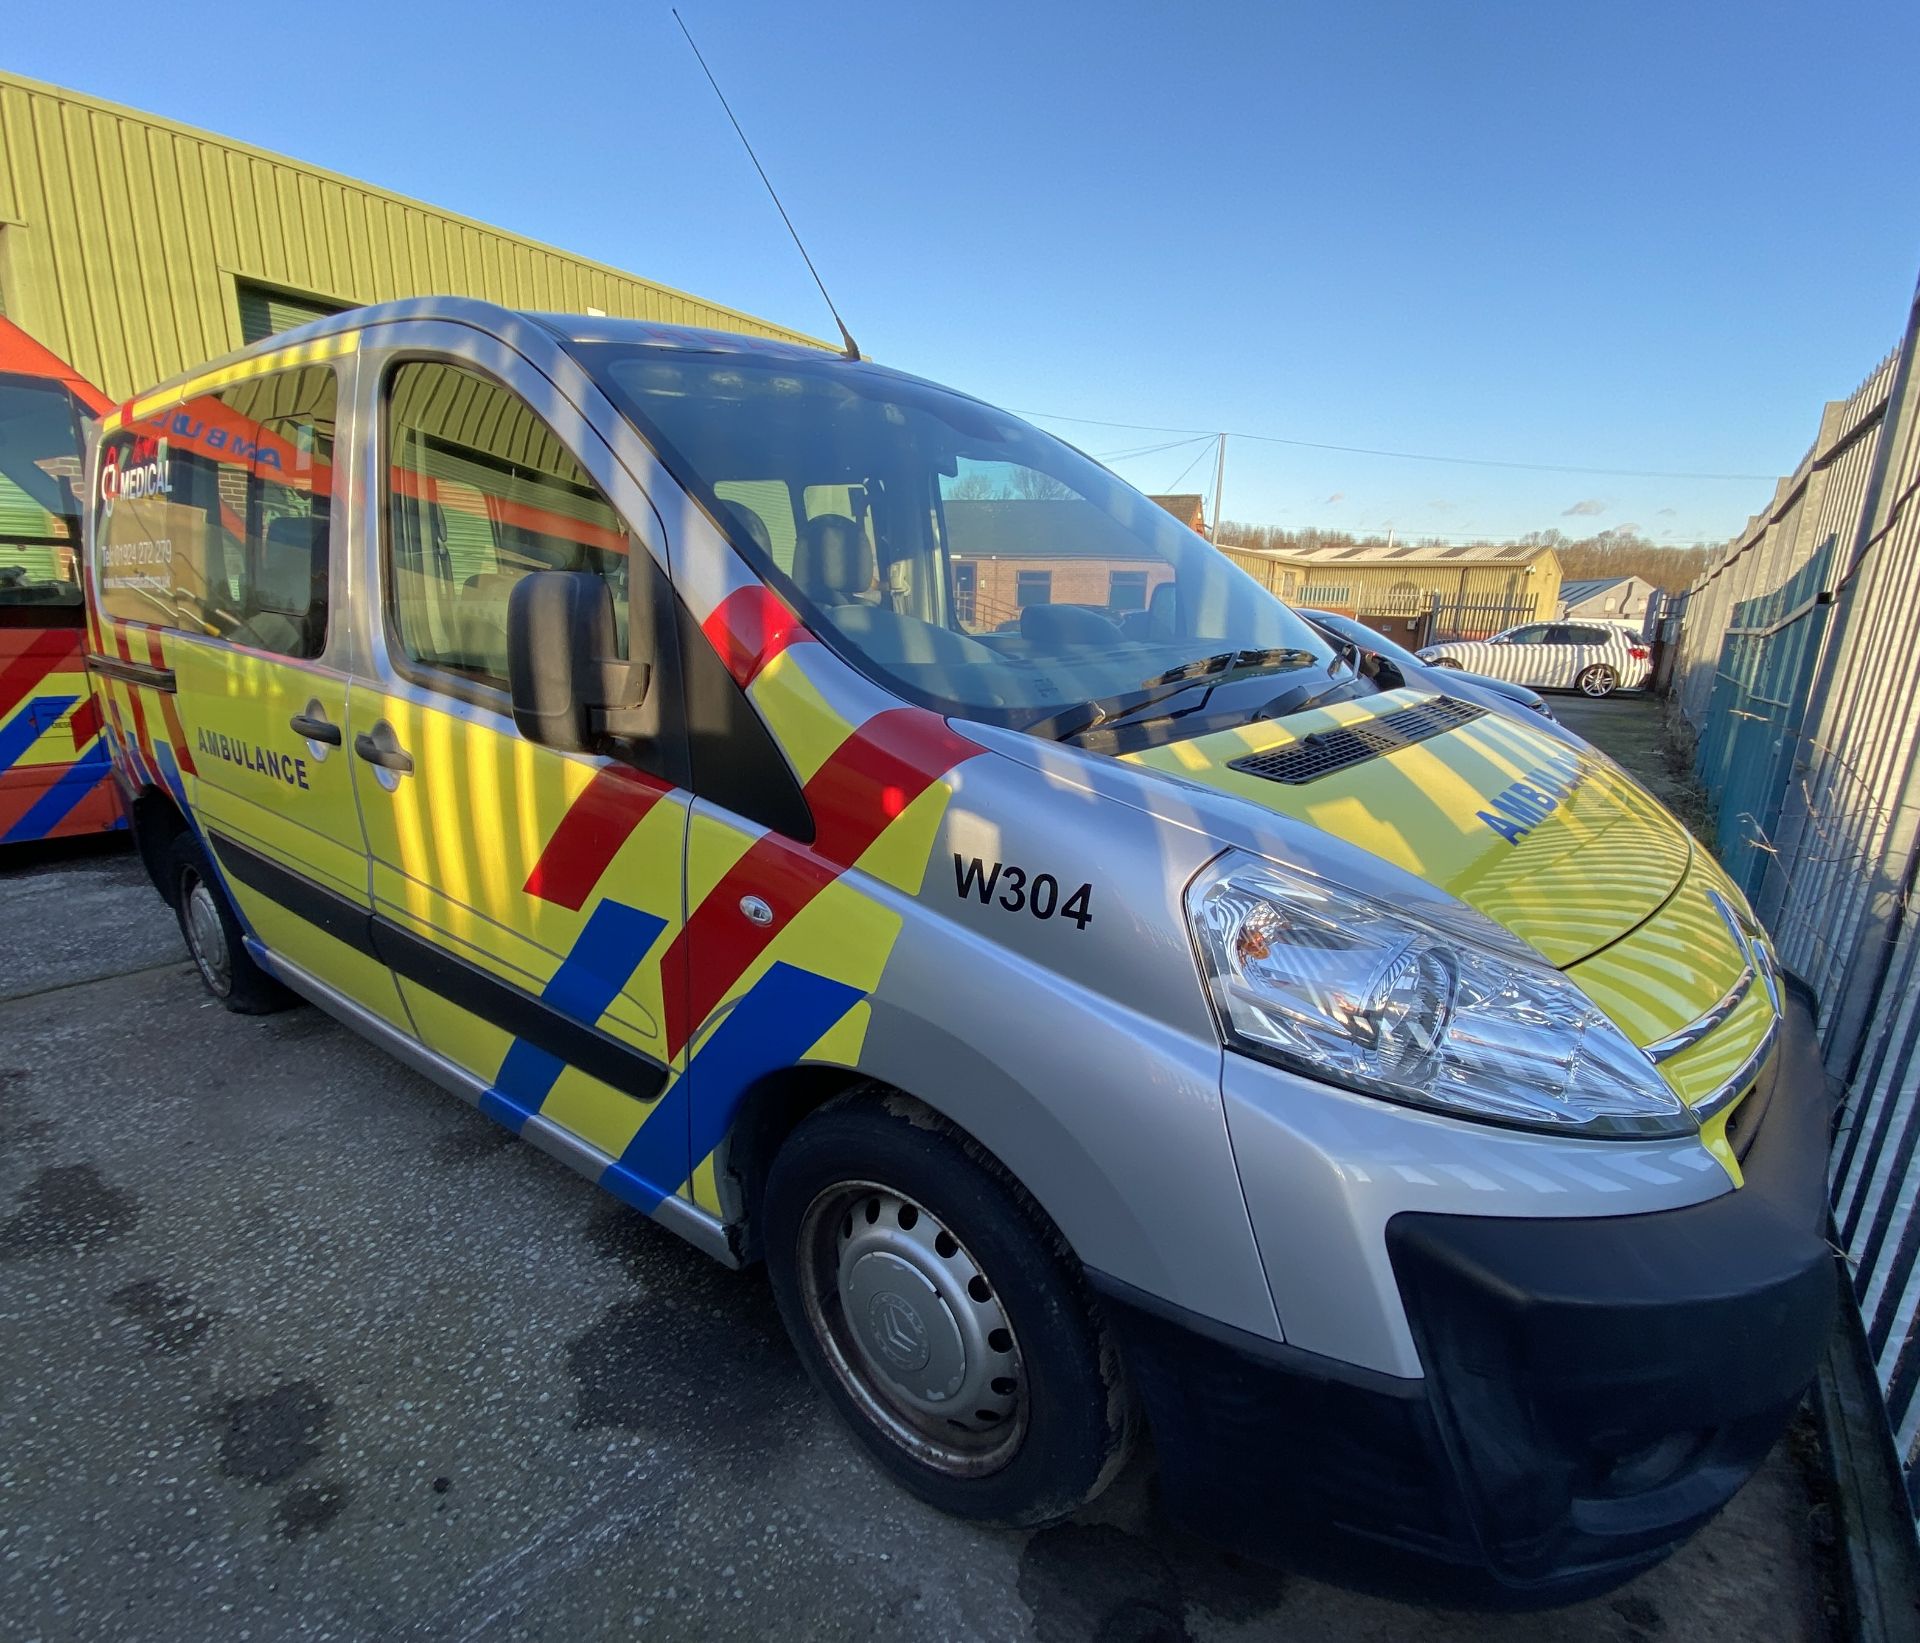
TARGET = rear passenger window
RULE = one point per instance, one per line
(1587, 636)
(480, 492)
(214, 516)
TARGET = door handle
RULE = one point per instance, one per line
(381, 747)
(316, 727)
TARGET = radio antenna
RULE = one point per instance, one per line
(852, 350)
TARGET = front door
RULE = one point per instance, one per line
(223, 642)
(526, 898)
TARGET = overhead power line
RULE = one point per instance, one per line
(1197, 455)
(1405, 456)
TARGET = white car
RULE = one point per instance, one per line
(1594, 658)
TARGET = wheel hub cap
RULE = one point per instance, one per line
(904, 1328)
(207, 937)
(913, 1328)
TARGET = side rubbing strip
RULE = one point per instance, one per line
(342, 918)
(513, 1009)
(132, 673)
(519, 1012)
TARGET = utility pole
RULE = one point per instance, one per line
(1219, 479)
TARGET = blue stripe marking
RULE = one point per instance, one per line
(39, 716)
(46, 812)
(779, 1020)
(616, 938)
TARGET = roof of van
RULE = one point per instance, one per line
(503, 322)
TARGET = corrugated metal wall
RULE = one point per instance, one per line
(1809, 628)
(123, 238)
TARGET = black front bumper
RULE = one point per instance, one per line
(1595, 1389)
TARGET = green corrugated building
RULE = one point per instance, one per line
(134, 247)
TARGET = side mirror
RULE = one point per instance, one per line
(569, 689)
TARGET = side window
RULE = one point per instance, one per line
(1534, 635)
(215, 515)
(1587, 636)
(1559, 634)
(42, 449)
(480, 492)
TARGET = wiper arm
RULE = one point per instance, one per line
(1083, 716)
(1071, 721)
(1201, 666)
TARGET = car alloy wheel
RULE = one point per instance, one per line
(1598, 680)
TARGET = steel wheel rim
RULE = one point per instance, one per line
(206, 935)
(1597, 681)
(912, 1328)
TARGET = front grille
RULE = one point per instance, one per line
(1326, 751)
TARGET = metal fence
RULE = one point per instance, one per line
(1477, 619)
(1795, 665)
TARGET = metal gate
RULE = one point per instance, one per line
(1745, 756)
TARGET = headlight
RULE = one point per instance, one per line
(1464, 1019)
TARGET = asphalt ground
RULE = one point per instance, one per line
(294, 1344)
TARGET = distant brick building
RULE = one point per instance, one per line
(1186, 506)
(1009, 554)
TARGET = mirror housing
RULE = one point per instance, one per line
(569, 690)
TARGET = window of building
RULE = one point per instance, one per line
(1126, 590)
(266, 311)
(480, 492)
(1033, 587)
(215, 515)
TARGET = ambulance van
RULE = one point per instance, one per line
(867, 837)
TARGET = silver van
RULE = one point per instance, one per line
(867, 837)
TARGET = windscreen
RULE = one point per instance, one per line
(950, 551)
(42, 450)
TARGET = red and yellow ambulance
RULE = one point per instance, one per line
(55, 772)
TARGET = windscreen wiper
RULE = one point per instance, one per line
(1210, 670)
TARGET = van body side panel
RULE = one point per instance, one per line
(55, 770)
(557, 879)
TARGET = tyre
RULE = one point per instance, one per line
(942, 1314)
(213, 935)
(1598, 680)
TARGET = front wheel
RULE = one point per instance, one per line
(942, 1314)
(1598, 680)
(213, 935)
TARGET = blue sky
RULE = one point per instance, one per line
(1632, 235)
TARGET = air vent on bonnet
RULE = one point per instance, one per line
(1326, 751)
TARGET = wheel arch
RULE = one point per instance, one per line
(157, 821)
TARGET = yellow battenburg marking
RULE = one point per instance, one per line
(705, 1186)
(596, 1112)
(306, 353)
(1593, 864)
(899, 856)
(807, 729)
(840, 1044)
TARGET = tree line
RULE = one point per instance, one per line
(1606, 553)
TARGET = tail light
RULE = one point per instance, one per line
(1638, 652)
